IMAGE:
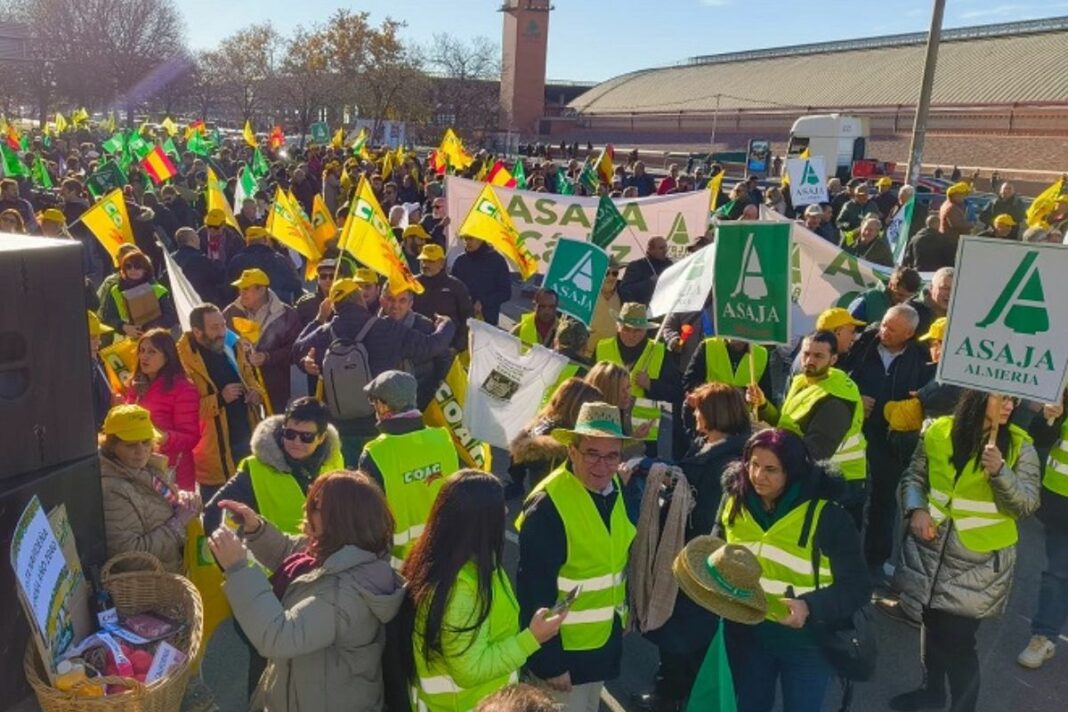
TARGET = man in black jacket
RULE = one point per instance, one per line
(929, 250)
(258, 254)
(428, 372)
(205, 276)
(887, 364)
(639, 279)
(443, 294)
(487, 278)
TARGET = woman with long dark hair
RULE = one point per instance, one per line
(962, 495)
(320, 618)
(464, 629)
(779, 503)
(160, 386)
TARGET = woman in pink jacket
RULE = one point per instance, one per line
(160, 386)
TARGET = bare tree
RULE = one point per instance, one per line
(467, 76)
(244, 66)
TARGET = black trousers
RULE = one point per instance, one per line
(888, 456)
(949, 651)
(256, 662)
(676, 674)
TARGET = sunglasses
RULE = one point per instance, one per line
(306, 438)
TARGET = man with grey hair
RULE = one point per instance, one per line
(929, 250)
(933, 301)
(205, 275)
(887, 364)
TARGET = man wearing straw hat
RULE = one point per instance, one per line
(574, 533)
(653, 377)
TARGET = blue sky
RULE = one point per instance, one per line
(639, 33)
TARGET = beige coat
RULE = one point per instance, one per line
(136, 515)
(323, 641)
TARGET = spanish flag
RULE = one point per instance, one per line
(197, 127)
(249, 134)
(488, 220)
(368, 237)
(110, 223)
(159, 167)
(277, 139)
(500, 176)
(604, 164)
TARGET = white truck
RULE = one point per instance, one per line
(837, 138)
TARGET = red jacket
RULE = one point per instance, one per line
(175, 413)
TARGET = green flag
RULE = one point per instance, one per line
(576, 273)
(588, 178)
(170, 149)
(198, 145)
(713, 689)
(216, 137)
(751, 282)
(24, 142)
(320, 132)
(897, 232)
(107, 178)
(138, 146)
(245, 187)
(40, 174)
(563, 185)
(115, 144)
(520, 174)
(13, 167)
(259, 166)
(608, 223)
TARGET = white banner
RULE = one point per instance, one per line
(806, 180)
(1008, 315)
(183, 294)
(684, 286)
(543, 218)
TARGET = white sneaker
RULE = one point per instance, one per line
(1038, 651)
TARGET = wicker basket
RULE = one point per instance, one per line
(143, 586)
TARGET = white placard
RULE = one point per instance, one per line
(807, 185)
(684, 286)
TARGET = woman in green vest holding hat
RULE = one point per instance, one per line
(463, 625)
(781, 505)
(961, 495)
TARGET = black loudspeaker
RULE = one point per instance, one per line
(46, 410)
(76, 485)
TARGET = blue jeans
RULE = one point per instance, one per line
(1052, 610)
(803, 672)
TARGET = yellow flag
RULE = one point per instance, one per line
(359, 144)
(488, 220)
(1044, 204)
(453, 148)
(446, 411)
(299, 210)
(249, 134)
(715, 183)
(324, 228)
(286, 226)
(120, 363)
(387, 165)
(79, 116)
(61, 123)
(169, 126)
(247, 329)
(339, 138)
(368, 237)
(110, 223)
(216, 199)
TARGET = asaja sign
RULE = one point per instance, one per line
(1008, 319)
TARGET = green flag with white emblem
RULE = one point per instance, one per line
(608, 223)
(751, 281)
(576, 273)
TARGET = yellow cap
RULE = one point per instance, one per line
(129, 423)
(342, 289)
(215, 217)
(365, 276)
(884, 181)
(416, 230)
(53, 215)
(252, 278)
(255, 232)
(431, 253)
(1005, 219)
(961, 188)
(937, 330)
(831, 319)
(96, 328)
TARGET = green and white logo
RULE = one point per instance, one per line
(806, 180)
(576, 274)
(751, 287)
(1008, 341)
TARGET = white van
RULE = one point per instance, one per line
(838, 138)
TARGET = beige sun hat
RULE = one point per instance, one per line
(722, 578)
(595, 420)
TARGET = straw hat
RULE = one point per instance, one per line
(722, 578)
(595, 420)
(634, 315)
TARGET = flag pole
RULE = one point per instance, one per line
(992, 439)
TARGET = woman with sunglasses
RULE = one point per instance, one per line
(962, 495)
(143, 509)
(288, 453)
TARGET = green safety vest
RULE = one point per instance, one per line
(436, 690)
(569, 370)
(652, 360)
(120, 301)
(718, 363)
(967, 499)
(802, 396)
(1055, 478)
(596, 560)
(783, 561)
(414, 467)
(279, 497)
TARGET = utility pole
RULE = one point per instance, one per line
(715, 122)
(919, 126)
